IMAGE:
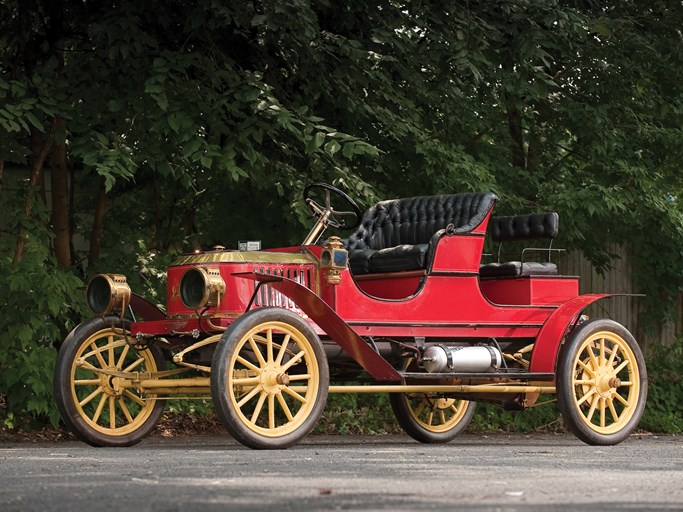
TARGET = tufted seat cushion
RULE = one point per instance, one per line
(518, 269)
(522, 227)
(400, 234)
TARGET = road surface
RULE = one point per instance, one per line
(480, 473)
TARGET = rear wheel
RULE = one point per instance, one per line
(601, 383)
(269, 379)
(92, 401)
(429, 418)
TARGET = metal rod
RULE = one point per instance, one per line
(481, 388)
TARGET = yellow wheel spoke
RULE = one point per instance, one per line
(134, 364)
(112, 412)
(98, 355)
(442, 417)
(249, 396)
(285, 407)
(110, 340)
(421, 407)
(586, 396)
(622, 400)
(587, 368)
(259, 406)
(292, 361)
(100, 406)
(430, 418)
(300, 376)
(591, 354)
(612, 356)
(602, 351)
(122, 357)
(623, 365)
(125, 410)
(283, 350)
(583, 382)
(454, 408)
(92, 395)
(602, 412)
(135, 398)
(269, 346)
(626, 383)
(591, 411)
(615, 416)
(257, 351)
(294, 394)
(249, 365)
(271, 412)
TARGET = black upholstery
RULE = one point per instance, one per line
(400, 234)
(534, 226)
(518, 269)
(524, 227)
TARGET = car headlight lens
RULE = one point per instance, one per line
(200, 287)
(107, 293)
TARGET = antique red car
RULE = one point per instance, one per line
(403, 306)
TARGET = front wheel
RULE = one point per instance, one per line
(601, 383)
(429, 418)
(269, 379)
(92, 398)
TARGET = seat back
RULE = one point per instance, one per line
(414, 220)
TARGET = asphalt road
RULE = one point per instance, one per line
(481, 473)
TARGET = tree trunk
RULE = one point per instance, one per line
(517, 135)
(98, 224)
(36, 172)
(60, 203)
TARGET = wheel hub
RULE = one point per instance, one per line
(272, 379)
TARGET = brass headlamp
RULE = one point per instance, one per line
(335, 259)
(108, 293)
(201, 286)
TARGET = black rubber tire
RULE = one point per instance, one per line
(63, 376)
(571, 394)
(402, 411)
(225, 402)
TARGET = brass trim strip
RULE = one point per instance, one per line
(291, 258)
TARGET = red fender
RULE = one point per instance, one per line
(145, 310)
(547, 346)
(328, 320)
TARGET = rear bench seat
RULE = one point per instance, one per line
(401, 234)
(522, 227)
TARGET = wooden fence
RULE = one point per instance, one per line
(625, 310)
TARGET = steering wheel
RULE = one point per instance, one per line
(348, 216)
(337, 218)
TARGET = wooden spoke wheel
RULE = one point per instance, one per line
(429, 418)
(98, 406)
(601, 383)
(269, 379)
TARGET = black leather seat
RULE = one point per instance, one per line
(522, 227)
(401, 234)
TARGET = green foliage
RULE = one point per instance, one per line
(38, 311)
(664, 411)
(541, 418)
(357, 414)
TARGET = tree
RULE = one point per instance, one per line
(200, 123)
